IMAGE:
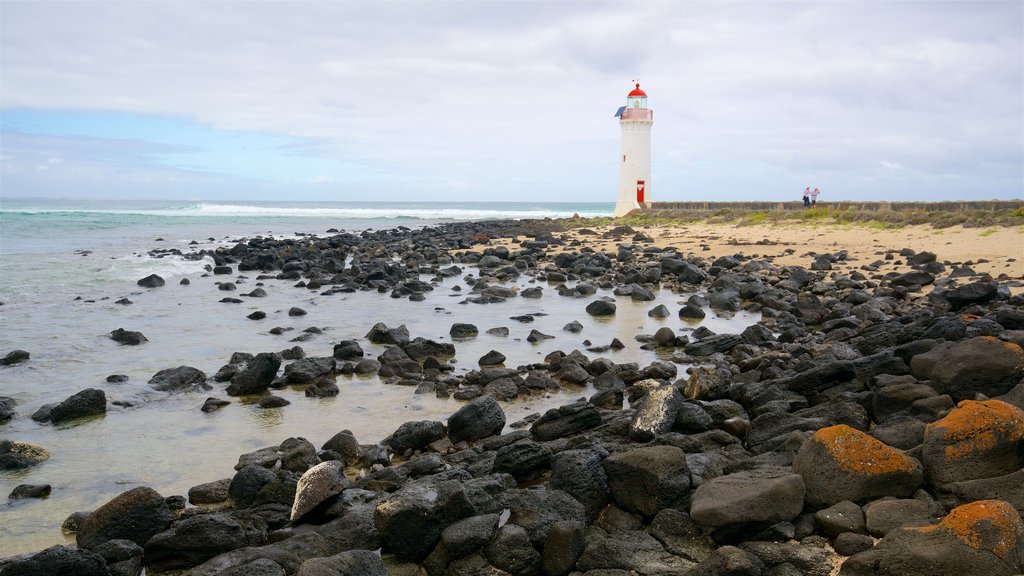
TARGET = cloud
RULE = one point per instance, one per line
(516, 98)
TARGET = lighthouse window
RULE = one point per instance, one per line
(636, 103)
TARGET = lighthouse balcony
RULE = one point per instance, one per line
(638, 114)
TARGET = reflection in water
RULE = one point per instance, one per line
(267, 417)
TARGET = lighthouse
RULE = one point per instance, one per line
(635, 164)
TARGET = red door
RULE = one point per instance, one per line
(640, 191)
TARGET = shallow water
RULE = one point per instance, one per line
(163, 440)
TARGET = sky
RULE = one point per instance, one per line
(508, 101)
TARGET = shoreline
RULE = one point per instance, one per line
(801, 278)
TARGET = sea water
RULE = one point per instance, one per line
(64, 265)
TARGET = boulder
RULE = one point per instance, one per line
(973, 293)
(127, 337)
(7, 410)
(840, 463)
(209, 492)
(468, 535)
(58, 560)
(151, 281)
(601, 308)
(462, 330)
(657, 410)
(975, 440)
(479, 418)
(580, 473)
(523, 459)
(712, 344)
(409, 522)
(257, 376)
(681, 536)
(962, 369)
(983, 537)
(348, 350)
(246, 484)
(885, 515)
(492, 358)
(20, 455)
(180, 379)
(841, 518)
(88, 402)
(350, 563)
(136, 515)
(194, 540)
(566, 542)
(22, 491)
(14, 357)
(416, 435)
(381, 334)
(538, 509)
(317, 486)
(565, 421)
(649, 479)
(762, 497)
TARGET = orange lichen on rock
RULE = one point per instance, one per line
(975, 427)
(1008, 345)
(983, 525)
(856, 452)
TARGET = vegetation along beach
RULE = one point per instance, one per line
(663, 394)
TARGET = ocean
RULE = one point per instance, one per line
(65, 264)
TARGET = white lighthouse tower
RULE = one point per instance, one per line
(635, 169)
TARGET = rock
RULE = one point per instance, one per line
(20, 455)
(840, 463)
(344, 444)
(246, 484)
(213, 404)
(512, 552)
(849, 543)
(136, 515)
(807, 559)
(973, 293)
(126, 337)
(912, 278)
(580, 473)
(14, 357)
(522, 459)
(975, 440)
(492, 358)
(563, 547)
(649, 479)
(309, 370)
(350, 563)
(322, 388)
(712, 344)
(210, 492)
(682, 270)
(565, 421)
(499, 331)
(468, 535)
(839, 518)
(257, 376)
(573, 327)
(416, 435)
(460, 330)
(962, 369)
(420, 349)
(883, 516)
(479, 418)
(348, 350)
(539, 508)
(729, 561)
(409, 522)
(296, 311)
(318, 486)
(656, 412)
(58, 560)
(180, 379)
(273, 402)
(29, 491)
(659, 311)
(601, 308)
(763, 496)
(537, 336)
(381, 334)
(151, 281)
(194, 540)
(982, 537)
(74, 521)
(7, 411)
(681, 536)
(88, 402)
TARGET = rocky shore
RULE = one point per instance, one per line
(871, 423)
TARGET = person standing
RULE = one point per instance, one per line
(814, 197)
(807, 197)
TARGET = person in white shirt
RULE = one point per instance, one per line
(814, 197)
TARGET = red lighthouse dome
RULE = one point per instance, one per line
(638, 92)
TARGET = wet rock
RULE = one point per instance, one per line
(601, 308)
(257, 375)
(127, 337)
(961, 369)
(322, 388)
(537, 336)
(419, 349)
(499, 331)
(648, 479)
(712, 344)
(492, 358)
(246, 484)
(213, 404)
(348, 350)
(194, 540)
(344, 444)
(573, 327)
(479, 418)
(974, 441)
(461, 330)
(317, 487)
(309, 370)
(136, 515)
(565, 421)
(7, 411)
(840, 463)
(297, 455)
(151, 281)
(20, 455)
(59, 560)
(296, 311)
(659, 311)
(180, 379)
(273, 402)
(682, 270)
(88, 402)
(14, 357)
(210, 492)
(656, 412)
(416, 435)
(381, 334)
(973, 293)
(117, 378)
(29, 491)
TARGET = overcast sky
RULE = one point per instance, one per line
(510, 101)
